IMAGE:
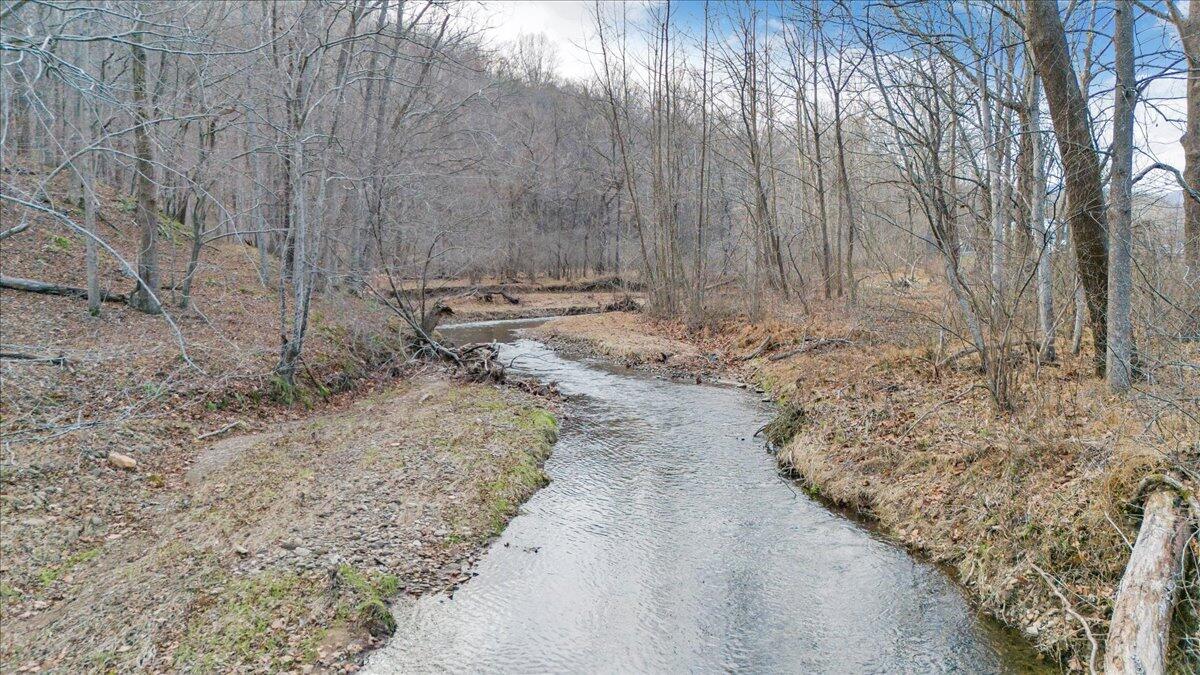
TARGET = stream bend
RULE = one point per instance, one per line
(668, 542)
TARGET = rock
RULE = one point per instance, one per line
(121, 461)
(303, 552)
(241, 550)
(96, 520)
(290, 545)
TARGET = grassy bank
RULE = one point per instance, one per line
(274, 550)
(1030, 508)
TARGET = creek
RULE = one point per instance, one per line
(668, 541)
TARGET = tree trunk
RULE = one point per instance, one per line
(1141, 618)
(145, 296)
(91, 258)
(1120, 245)
(1073, 129)
(1190, 34)
(1037, 217)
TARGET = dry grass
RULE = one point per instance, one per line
(621, 336)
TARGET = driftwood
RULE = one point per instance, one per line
(1138, 636)
(33, 286)
(480, 362)
(808, 346)
(513, 286)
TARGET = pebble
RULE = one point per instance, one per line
(303, 552)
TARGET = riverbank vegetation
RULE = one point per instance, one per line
(959, 243)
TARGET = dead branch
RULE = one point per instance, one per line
(767, 344)
(218, 432)
(810, 345)
(6, 354)
(14, 230)
(1071, 610)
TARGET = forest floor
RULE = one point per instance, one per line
(157, 515)
(1029, 507)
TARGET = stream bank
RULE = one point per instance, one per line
(276, 550)
(1026, 510)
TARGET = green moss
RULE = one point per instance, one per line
(521, 472)
(247, 622)
(60, 243)
(8, 592)
(256, 621)
(370, 594)
(52, 574)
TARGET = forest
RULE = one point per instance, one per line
(248, 414)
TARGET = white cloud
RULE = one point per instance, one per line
(568, 25)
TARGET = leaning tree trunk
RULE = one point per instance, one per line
(1081, 164)
(1141, 618)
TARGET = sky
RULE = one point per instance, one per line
(569, 26)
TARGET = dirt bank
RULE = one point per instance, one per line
(269, 551)
(1029, 508)
(632, 340)
(468, 308)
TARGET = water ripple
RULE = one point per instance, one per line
(666, 542)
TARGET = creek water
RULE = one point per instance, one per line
(667, 541)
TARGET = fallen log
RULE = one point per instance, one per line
(8, 355)
(33, 286)
(1138, 636)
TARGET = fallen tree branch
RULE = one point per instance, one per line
(1087, 631)
(7, 355)
(810, 345)
(218, 432)
(34, 286)
(14, 230)
(767, 343)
